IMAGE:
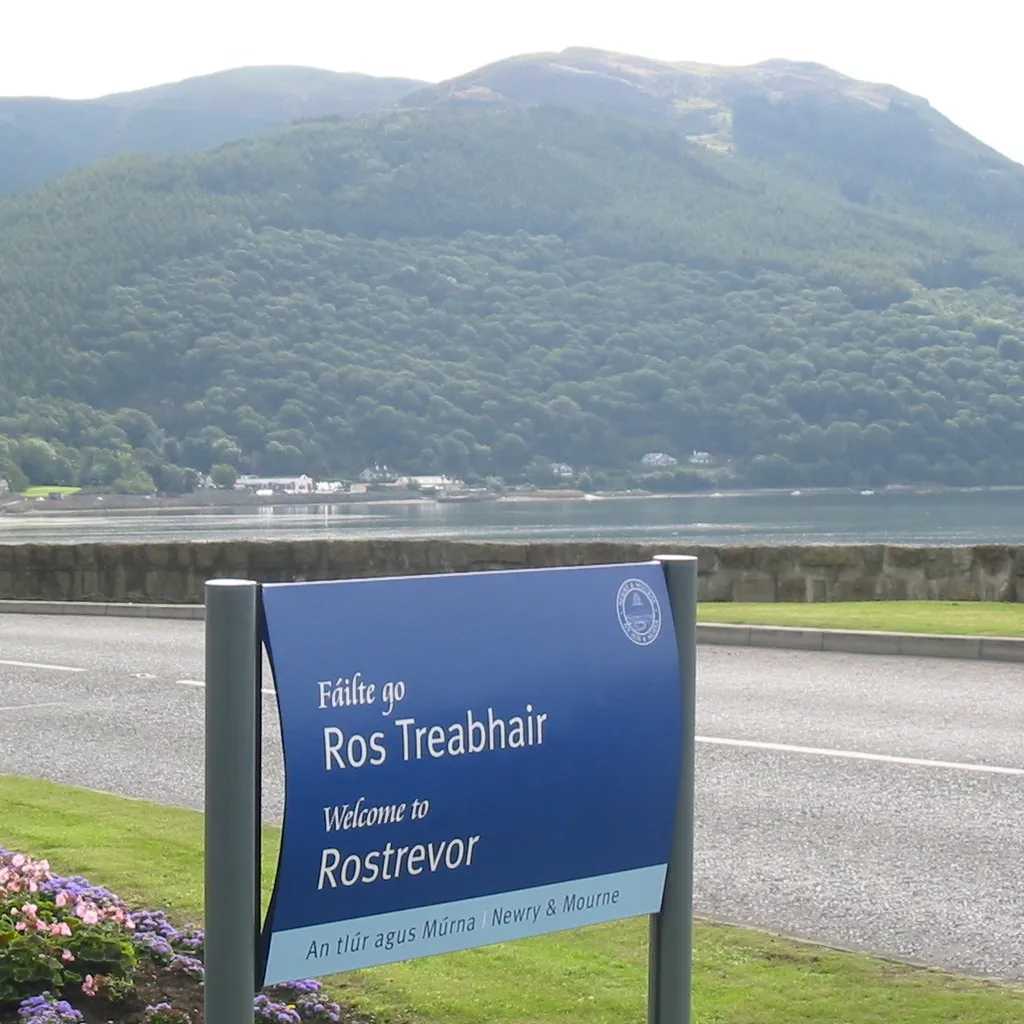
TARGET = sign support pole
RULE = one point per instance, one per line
(669, 998)
(233, 710)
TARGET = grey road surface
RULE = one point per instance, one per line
(870, 802)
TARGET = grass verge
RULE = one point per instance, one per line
(960, 618)
(153, 855)
(45, 492)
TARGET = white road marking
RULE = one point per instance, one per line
(199, 682)
(856, 755)
(36, 664)
(25, 707)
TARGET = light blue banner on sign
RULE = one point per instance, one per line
(427, 931)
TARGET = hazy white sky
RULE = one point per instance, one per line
(964, 57)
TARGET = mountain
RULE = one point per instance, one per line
(41, 137)
(878, 145)
(483, 291)
(873, 145)
(27, 160)
(273, 94)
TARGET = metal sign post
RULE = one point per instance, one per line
(232, 806)
(670, 968)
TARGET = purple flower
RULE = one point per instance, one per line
(44, 1009)
(314, 1009)
(154, 922)
(155, 945)
(190, 965)
(269, 1010)
(82, 890)
(307, 986)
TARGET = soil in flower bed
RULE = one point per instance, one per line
(153, 986)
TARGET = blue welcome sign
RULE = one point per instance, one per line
(469, 759)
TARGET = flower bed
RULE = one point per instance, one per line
(74, 952)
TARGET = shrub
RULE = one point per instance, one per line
(66, 945)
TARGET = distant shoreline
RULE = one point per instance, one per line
(225, 501)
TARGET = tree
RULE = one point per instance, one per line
(282, 459)
(224, 475)
(38, 460)
(140, 429)
(771, 471)
(135, 481)
(510, 454)
(11, 472)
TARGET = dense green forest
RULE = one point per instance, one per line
(483, 292)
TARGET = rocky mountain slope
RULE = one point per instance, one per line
(880, 146)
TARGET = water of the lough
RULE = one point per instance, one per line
(938, 517)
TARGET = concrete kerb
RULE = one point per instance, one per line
(848, 641)
(134, 611)
(927, 645)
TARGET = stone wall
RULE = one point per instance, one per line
(175, 572)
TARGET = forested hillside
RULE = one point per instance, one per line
(482, 292)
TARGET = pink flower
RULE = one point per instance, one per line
(91, 985)
(29, 908)
(60, 929)
(18, 860)
(20, 926)
(67, 956)
(89, 914)
(62, 899)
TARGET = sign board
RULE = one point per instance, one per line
(469, 758)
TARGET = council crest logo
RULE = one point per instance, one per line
(639, 612)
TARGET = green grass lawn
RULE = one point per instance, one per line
(152, 855)
(971, 618)
(43, 492)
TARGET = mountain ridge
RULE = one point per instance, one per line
(880, 145)
(295, 91)
(42, 136)
(760, 110)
